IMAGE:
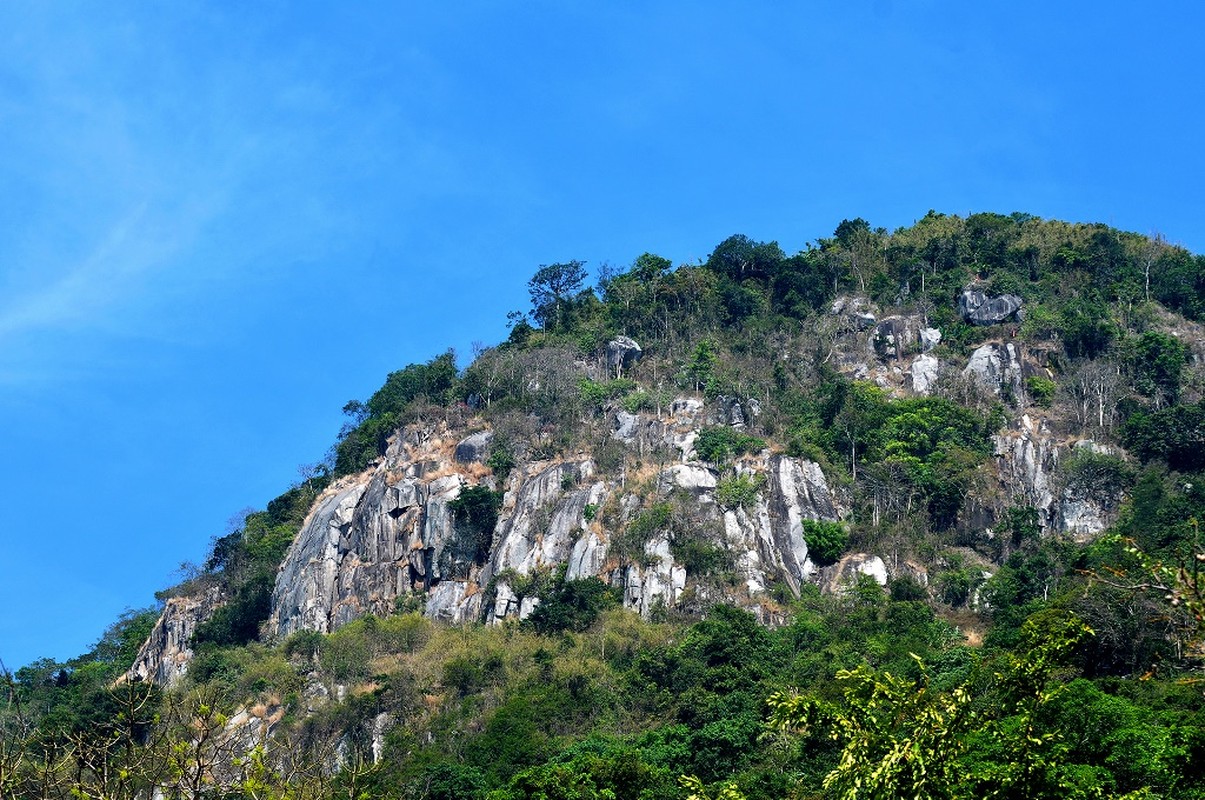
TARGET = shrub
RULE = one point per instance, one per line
(738, 491)
(719, 444)
(1088, 473)
(501, 459)
(826, 541)
(571, 605)
(1040, 389)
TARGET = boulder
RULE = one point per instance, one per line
(893, 337)
(924, 371)
(978, 309)
(164, 656)
(622, 351)
(997, 367)
(856, 309)
(474, 447)
(839, 577)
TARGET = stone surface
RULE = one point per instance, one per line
(894, 337)
(474, 447)
(978, 308)
(841, 576)
(857, 310)
(923, 373)
(997, 367)
(622, 352)
(164, 656)
(388, 532)
(1027, 464)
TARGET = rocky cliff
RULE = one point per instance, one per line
(389, 533)
(164, 656)
(389, 537)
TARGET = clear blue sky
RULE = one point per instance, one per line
(222, 221)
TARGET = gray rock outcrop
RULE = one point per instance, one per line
(997, 367)
(164, 656)
(855, 309)
(979, 309)
(1027, 465)
(622, 352)
(474, 447)
(923, 373)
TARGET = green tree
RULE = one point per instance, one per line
(551, 289)
(900, 737)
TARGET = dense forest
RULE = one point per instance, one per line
(1014, 657)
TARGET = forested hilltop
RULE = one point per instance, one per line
(905, 514)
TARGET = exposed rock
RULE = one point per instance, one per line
(686, 409)
(626, 426)
(1082, 517)
(655, 582)
(622, 352)
(838, 577)
(997, 367)
(164, 656)
(731, 411)
(894, 337)
(474, 447)
(1027, 461)
(546, 519)
(978, 309)
(929, 338)
(856, 309)
(691, 477)
(924, 372)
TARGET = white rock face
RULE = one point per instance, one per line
(658, 582)
(997, 367)
(924, 371)
(388, 532)
(692, 477)
(1027, 463)
(844, 573)
(163, 658)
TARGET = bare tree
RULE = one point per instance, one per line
(1092, 390)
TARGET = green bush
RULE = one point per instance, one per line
(1088, 473)
(501, 459)
(738, 491)
(571, 605)
(719, 444)
(826, 541)
(1041, 390)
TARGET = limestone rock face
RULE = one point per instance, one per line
(389, 532)
(894, 337)
(997, 367)
(978, 309)
(1027, 465)
(924, 373)
(474, 447)
(163, 658)
(857, 310)
(622, 351)
(837, 577)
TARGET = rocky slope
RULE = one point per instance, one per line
(387, 533)
(388, 537)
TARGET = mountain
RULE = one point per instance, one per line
(976, 440)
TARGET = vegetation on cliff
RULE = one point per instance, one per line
(1030, 664)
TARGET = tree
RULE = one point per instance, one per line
(901, 738)
(551, 288)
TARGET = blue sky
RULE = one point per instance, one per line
(222, 221)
